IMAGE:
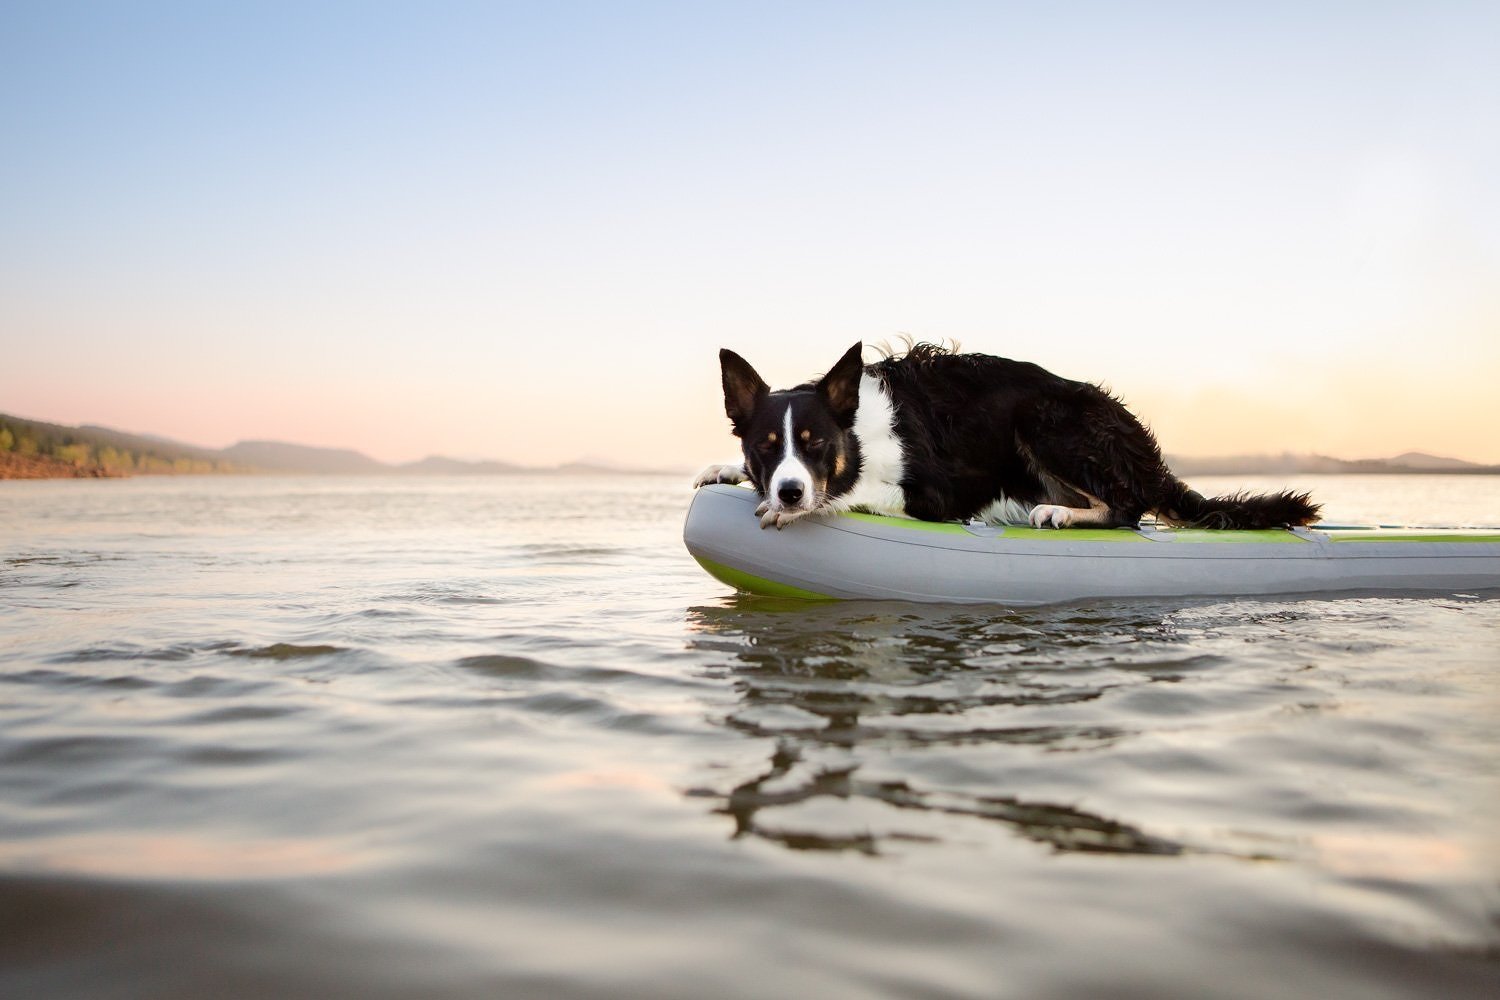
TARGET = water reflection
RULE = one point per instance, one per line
(1059, 826)
(887, 721)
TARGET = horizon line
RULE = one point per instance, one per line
(1227, 459)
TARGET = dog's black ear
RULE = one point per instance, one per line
(840, 387)
(743, 389)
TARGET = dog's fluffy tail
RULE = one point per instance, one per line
(1243, 510)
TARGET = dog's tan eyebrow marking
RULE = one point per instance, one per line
(805, 435)
(771, 437)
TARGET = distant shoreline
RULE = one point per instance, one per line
(33, 449)
(33, 467)
(1381, 470)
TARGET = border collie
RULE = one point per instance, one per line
(940, 436)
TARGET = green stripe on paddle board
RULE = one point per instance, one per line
(941, 527)
(751, 584)
(1069, 534)
(1276, 536)
(1232, 536)
(1375, 536)
(1009, 531)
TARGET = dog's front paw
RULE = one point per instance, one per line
(730, 474)
(1045, 515)
(777, 519)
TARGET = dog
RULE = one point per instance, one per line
(937, 435)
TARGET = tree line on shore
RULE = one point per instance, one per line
(90, 451)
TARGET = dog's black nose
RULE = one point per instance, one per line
(789, 493)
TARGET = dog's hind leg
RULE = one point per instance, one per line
(1098, 464)
(1051, 515)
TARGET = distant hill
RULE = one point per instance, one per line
(278, 456)
(1409, 463)
(1433, 463)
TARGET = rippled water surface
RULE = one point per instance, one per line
(502, 738)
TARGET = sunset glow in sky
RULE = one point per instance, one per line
(523, 231)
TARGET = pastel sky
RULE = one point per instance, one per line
(522, 231)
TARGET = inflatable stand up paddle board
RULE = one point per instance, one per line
(869, 556)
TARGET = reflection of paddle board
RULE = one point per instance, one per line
(867, 556)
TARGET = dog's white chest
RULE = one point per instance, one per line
(882, 463)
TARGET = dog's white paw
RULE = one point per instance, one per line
(731, 474)
(777, 519)
(1045, 515)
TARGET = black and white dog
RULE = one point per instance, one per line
(941, 436)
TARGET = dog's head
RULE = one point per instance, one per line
(799, 445)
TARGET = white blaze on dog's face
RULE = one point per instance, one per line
(792, 486)
(797, 443)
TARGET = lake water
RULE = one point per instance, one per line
(500, 737)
